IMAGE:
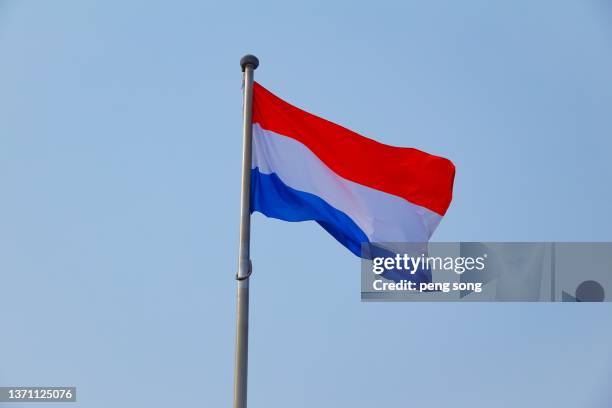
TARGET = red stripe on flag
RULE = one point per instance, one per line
(416, 176)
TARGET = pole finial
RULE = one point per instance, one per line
(249, 60)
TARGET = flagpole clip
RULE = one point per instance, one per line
(241, 278)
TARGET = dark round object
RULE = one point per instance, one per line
(590, 291)
(249, 60)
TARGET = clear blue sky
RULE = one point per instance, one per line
(119, 177)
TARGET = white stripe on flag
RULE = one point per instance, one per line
(381, 216)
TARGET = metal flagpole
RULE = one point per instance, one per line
(248, 63)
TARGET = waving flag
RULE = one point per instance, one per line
(359, 190)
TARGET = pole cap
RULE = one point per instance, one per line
(249, 60)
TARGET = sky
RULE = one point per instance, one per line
(120, 149)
